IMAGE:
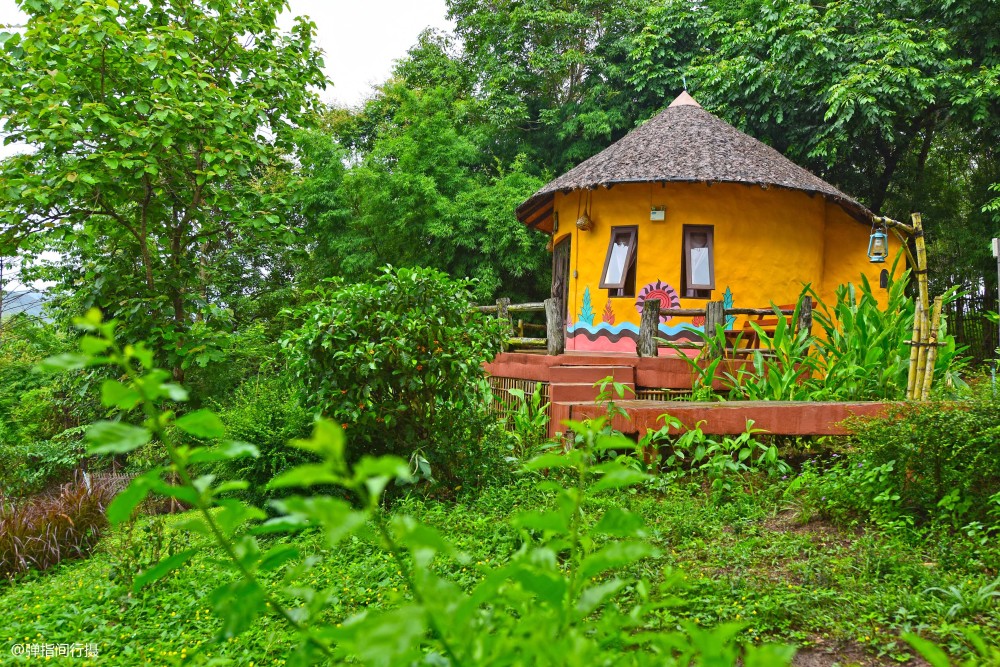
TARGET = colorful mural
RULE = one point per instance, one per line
(586, 310)
(727, 303)
(609, 313)
(606, 336)
(661, 291)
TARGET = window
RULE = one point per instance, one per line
(618, 276)
(698, 262)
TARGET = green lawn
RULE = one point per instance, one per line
(840, 595)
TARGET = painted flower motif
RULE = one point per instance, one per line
(662, 291)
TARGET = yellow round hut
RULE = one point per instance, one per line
(687, 209)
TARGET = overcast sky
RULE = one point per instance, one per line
(360, 40)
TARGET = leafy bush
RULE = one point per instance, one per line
(39, 532)
(945, 456)
(267, 412)
(398, 362)
(40, 416)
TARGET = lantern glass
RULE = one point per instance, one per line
(878, 247)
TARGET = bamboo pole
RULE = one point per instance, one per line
(911, 378)
(921, 344)
(921, 270)
(931, 347)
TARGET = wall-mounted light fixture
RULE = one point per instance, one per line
(658, 213)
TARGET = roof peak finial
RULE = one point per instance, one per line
(684, 100)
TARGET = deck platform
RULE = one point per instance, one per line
(570, 389)
(730, 418)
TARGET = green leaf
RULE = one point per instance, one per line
(334, 516)
(277, 556)
(124, 503)
(545, 521)
(115, 438)
(114, 394)
(327, 440)
(228, 450)
(306, 475)
(162, 569)
(63, 362)
(621, 523)
(614, 556)
(549, 461)
(388, 638)
(201, 424)
(237, 604)
(928, 650)
(549, 587)
(593, 597)
(235, 513)
(769, 655)
(616, 476)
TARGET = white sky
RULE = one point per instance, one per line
(360, 40)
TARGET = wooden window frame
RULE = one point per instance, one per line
(630, 259)
(688, 280)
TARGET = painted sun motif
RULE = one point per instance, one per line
(666, 294)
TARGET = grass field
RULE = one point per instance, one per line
(842, 595)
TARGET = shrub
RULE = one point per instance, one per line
(39, 532)
(398, 362)
(267, 412)
(944, 456)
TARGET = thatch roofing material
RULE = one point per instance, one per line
(684, 143)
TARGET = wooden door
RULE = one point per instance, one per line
(560, 275)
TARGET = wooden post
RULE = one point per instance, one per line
(805, 322)
(649, 328)
(715, 317)
(932, 340)
(555, 329)
(503, 311)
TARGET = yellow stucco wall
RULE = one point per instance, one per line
(768, 242)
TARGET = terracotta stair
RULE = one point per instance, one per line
(576, 384)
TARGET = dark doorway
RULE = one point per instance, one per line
(560, 275)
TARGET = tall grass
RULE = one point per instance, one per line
(41, 531)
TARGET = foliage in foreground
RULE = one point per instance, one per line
(558, 600)
(399, 363)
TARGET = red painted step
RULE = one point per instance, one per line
(590, 374)
(582, 392)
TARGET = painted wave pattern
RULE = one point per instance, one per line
(617, 332)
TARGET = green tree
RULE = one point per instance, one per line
(152, 124)
(424, 184)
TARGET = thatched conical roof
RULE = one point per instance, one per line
(684, 143)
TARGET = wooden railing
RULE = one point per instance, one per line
(715, 314)
(555, 339)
